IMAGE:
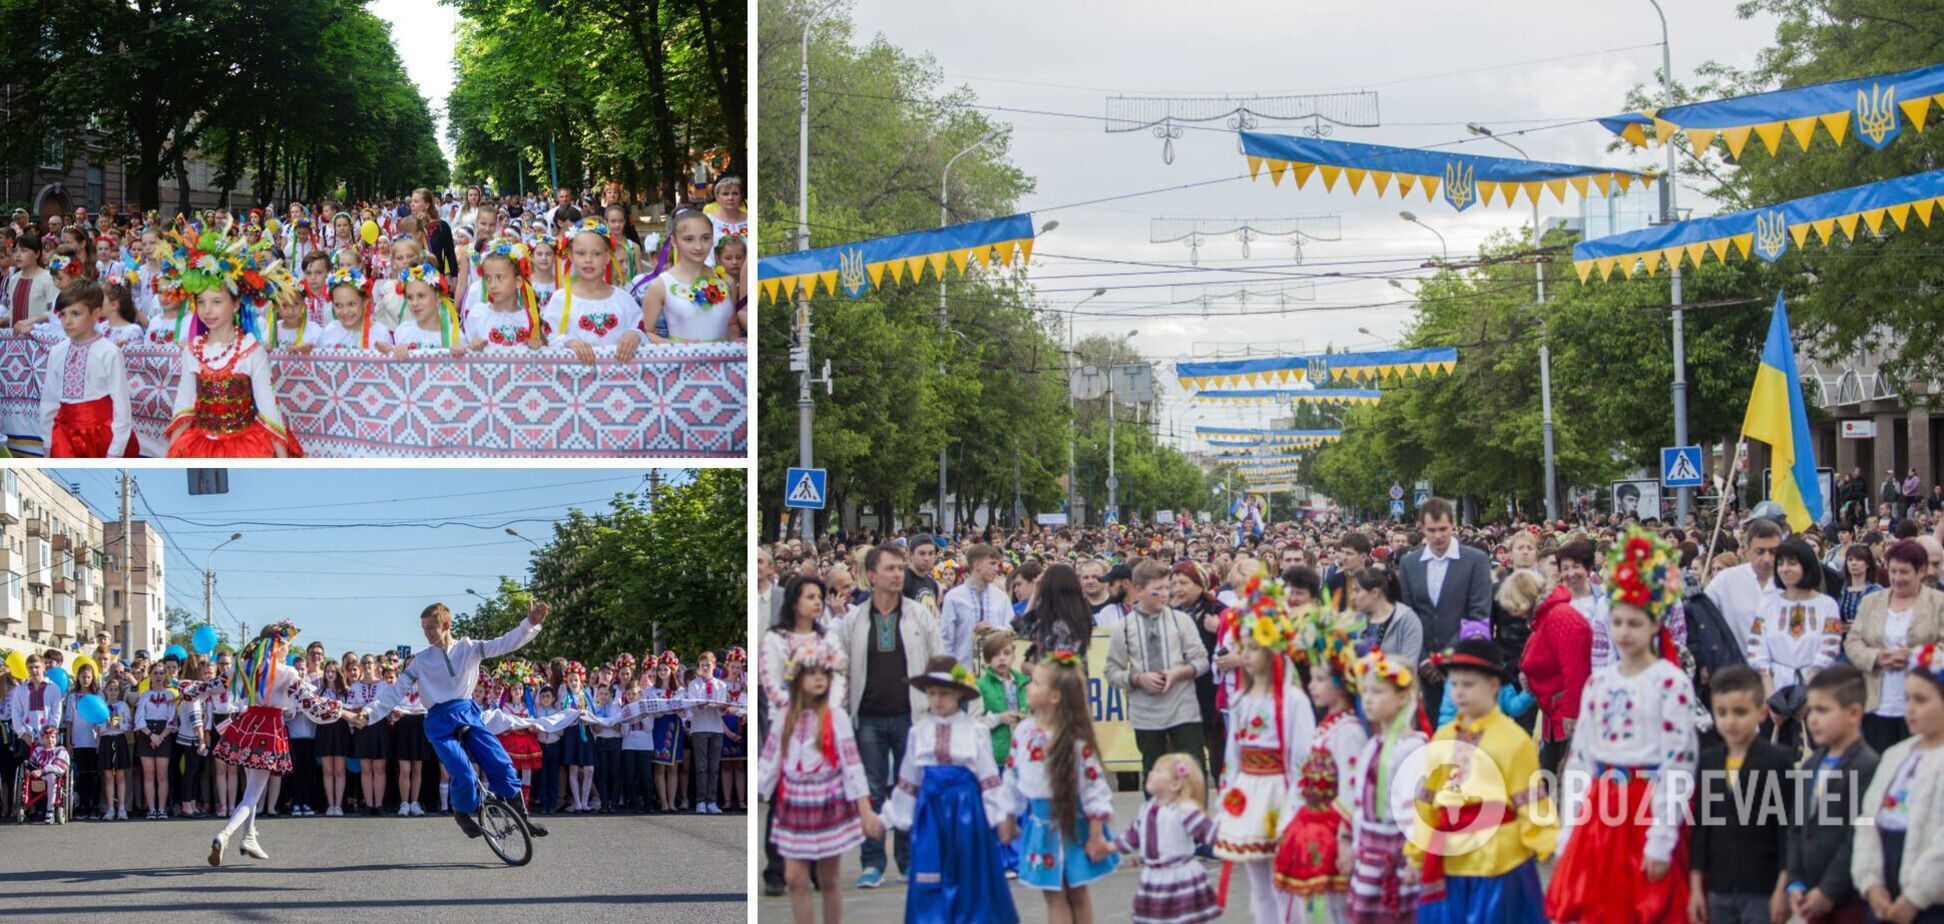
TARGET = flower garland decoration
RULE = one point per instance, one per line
(62, 263)
(1263, 616)
(815, 656)
(1377, 664)
(199, 261)
(706, 292)
(563, 269)
(521, 257)
(1642, 571)
(948, 565)
(356, 279)
(1065, 657)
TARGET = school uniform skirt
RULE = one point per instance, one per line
(115, 752)
(144, 746)
(813, 818)
(577, 747)
(256, 740)
(956, 876)
(408, 739)
(734, 748)
(334, 739)
(669, 740)
(372, 742)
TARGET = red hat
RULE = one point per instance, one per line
(1191, 570)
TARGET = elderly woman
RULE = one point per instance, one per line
(1890, 626)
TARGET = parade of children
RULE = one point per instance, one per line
(1717, 766)
(279, 729)
(236, 292)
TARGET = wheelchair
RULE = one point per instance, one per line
(30, 805)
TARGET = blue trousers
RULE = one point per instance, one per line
(480, 746)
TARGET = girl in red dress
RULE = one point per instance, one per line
(225, 405)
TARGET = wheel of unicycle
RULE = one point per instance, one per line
(503, 830)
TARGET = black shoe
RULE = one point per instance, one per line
(466, 823)
(519, 808)
(772, 887)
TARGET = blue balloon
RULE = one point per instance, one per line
(176, 652)
(204, 639)
(92, 709)
(59, 677)
(351, 765)
(290, 658)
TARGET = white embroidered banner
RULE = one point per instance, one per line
(670, 401)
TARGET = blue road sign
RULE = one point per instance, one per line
(1397, 509)
(804, 488)
(1681, 467)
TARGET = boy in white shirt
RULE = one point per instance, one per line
(705, 732)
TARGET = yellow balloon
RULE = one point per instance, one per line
(80, 660)
(17, 665)
(369, 232)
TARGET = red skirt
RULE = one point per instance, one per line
(256, 740)
(255, 441)
(523, 747)
(1599, 878)
(83, 430)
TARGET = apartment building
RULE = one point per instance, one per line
(52, 564)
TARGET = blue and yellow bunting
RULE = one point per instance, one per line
(1369, 366)
(1766, 232)
(1463, 180)
(853, 268)
(1871, 109)
(1328, 397)
(1284, 439)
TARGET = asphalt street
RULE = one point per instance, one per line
(639, 869)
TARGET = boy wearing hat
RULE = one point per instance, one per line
(1477, 829)
(948, 796)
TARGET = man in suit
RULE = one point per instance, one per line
(1444, 583)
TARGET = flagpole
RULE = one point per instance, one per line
(1721, 507)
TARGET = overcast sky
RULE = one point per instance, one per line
(422, 30)
(1509, 64)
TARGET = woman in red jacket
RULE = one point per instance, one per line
(1557, 660)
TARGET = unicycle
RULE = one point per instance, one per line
(502, 829)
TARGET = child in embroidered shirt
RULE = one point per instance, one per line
(225, 405)
(544, 260)
(1383, 886)
(811, 772)
(432, 325)
(949, 796)
(735, 729)
(1312, 862)
(1055, 780)
(292, 331)
(705, 732)
(732, 263)
(1270, 725)
(1636, 743)
(509, 316)
(115, 750)
(591, 310)
(1163, 838)
(670, 740)
(46, 766)
(31, 300)
(84, 408)
(155, 718)
(351, 326)
(1895, 856)
(699, 304)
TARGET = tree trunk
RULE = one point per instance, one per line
(727, 76)
(648, 42)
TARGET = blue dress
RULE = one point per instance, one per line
(1052, 861)
(956, 876)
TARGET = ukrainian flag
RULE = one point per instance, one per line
(1776, 416)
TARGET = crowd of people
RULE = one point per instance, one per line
(471, 275)
(573, 732)
(1630, 683)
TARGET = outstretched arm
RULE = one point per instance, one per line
(519, 635)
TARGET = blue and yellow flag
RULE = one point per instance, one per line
(1777, 416)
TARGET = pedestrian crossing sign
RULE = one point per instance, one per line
(803, 488)
(1681, 467)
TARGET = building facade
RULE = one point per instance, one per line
(54, 568)
(135, 620)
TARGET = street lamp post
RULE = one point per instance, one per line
(516, 534)
(209, 580)
(1683, 497)
(1073, 415)
(1545, 337)
(1413, 219)
(944, 195)
(1113, 481)
(806, 405)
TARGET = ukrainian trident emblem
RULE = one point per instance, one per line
(1876, 115)
(1459, 189)
(1771, 235)
(850, 271)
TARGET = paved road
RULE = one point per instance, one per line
(635, 869)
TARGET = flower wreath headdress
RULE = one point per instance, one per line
(563, 267)
(817, 656)
(448, 315)
(193, 263)
(521, 257)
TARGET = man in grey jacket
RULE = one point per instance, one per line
(1444, 583)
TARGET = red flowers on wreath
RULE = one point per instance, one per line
(1234, 802)
(1638, 549)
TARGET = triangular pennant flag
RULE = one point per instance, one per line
(1700, 138)
(1636, 134)
(1914, 111)
(958, 260)
(1584, 267)
(1874, 218)
(1578, 183)
(1719, 247)
(1837, 124)
(1825, 229)
(1623, 180)
(1404, 183)
(1771, 135)
(1695, 250)
(1800, 233)
(1923, 209)
(937, 261)
(1664, 130)
(1652, 262)
(1276, 170)
(1356, 177)
(1802, 128)
(1673, 255)
(1605, 182)
(1025, 250)
(769, 288)
(1531, 188)
(829, 281)
(1430, 186)
(1606, 266)
(1736, 138)
(1486, 190)
(1848, 224)
(1330, 173)
(877, 274)
(1743, 243)
(1558, 189)
(1380, 181)
(1899, 213)
(1006, 251)
(1255, 167)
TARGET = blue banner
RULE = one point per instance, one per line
(1463, 179)
(1766, 232)
(1316, 367)
(1337, 396)
(860, 265)
(1872, 109)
